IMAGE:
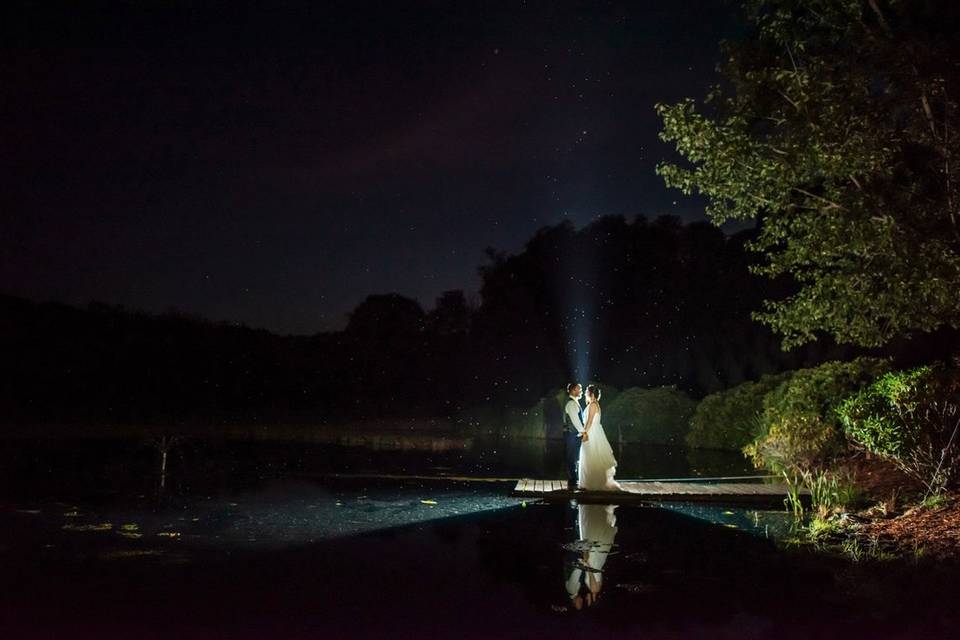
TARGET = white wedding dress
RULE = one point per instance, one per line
(597, 464)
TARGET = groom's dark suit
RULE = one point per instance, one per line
(572, 427)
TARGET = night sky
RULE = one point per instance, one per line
(273, 167)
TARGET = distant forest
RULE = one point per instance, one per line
(662, 303)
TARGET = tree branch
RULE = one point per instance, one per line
(883, 21)
(831, 204)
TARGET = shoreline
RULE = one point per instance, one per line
(414, 434)
(898, 524)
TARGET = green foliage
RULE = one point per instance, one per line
(559, 397)
(655, 416)
(731, 419)
(509, 422)
(831, 492)
(794, 500)
(608, 394)
(880, 416)
(526, 423)
(911, 418)
(936, 501)
(795, 443)
(817, 390)
(823, 528)
(799, 428)
(835, 129)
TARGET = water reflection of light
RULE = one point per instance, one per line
(291, 513)
(760, 522)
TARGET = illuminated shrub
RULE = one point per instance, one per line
(798, 428)
(731, 419)
(795, 443)
(911, 418)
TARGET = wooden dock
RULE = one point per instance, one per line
(657, 491)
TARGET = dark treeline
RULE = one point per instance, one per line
(661, 303)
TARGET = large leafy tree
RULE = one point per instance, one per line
(836, 127)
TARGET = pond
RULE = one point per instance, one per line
(260, 540)
(124, 468)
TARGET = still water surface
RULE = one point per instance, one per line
(260, 540)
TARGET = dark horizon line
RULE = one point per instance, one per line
(174, 310)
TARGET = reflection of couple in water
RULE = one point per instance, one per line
(596, 528)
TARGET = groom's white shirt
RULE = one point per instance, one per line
(573, 412)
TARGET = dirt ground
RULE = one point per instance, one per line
(897, 518)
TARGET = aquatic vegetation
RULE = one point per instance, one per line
(821, 529)
(860, 550)
(131, 553)
(794, 501)
(103, 526)
(831, 492)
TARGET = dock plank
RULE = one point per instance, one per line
(652, 491)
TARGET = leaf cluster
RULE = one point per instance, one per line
(835, 129)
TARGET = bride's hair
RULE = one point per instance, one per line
(594, 391)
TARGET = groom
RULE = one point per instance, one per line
(573, 432)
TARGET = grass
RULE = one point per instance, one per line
(936, 501)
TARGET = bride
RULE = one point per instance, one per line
(597, 464)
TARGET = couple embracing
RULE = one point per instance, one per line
(590, 461)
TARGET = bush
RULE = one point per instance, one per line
(509, 422)
(608, 394)
(543, 419)
(731, 419)
(911, 418)
(795, 443)
(654, 416)
(880, 416)
(799, 429)
(527, 423)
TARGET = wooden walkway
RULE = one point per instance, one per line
(656, 491)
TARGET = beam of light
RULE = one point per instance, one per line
(578, 302)
(579, 340)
